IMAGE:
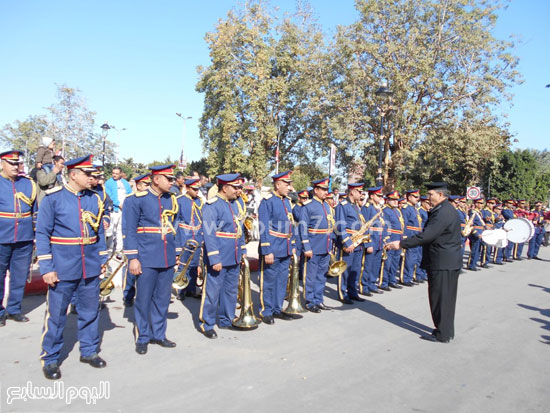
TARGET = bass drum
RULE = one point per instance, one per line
(519, 230)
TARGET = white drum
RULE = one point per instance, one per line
(495, 238)
(519, 230)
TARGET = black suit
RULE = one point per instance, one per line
(441, 243)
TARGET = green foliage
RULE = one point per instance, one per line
(25, 136)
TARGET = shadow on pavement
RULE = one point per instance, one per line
(543, 288)
(545, 323)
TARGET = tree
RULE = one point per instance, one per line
(25, 136)
(446, 70)
(262, 89)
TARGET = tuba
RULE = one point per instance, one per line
(106, 286)
(181, 280)
(294, 302)
(246, 320)
(336, 268)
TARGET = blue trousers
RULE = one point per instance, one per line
(391, 267)
(509, 250)
(347, 282)
(15, 257)
(486, 252)
(87, 305)
(371, 271)
(315, 270)
(273, 282)
(499, 255)
(519, 250)
(413, 256)
(129, 286)
(153, 291)
(219, 297)
(475, 252)
(535, 242)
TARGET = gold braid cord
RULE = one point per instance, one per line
(167, 216)
(29, 201)
(93, 220)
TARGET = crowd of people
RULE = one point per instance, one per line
(164, 222)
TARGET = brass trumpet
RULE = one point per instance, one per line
(181, 280)
(106, 286)
(294, 301)
(336, 268)
(246, 320)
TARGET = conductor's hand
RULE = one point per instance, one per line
(217, 267)
(135, 266)
(394, 245)
(50, 278)
(308, 254)
(269, 259)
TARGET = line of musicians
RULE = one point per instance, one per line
(158, 226)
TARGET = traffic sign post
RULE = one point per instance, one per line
(473, 192)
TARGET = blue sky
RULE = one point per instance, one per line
(135, 62)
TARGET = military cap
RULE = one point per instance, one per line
(393, 195)
(321, 183)
(166, 170)
(142, 178)
(283, 176)
(229, 179)
(13, 157)
(84, 163)
(436, 185)
(194, 183)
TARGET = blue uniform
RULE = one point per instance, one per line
(223, 244)
(475, 238)
(489, 221)
(316, 229)
(372, 261)
(508, 214)
(499, 252)
(348, 221)
(189, 221)
(70, 241)
(395, 226)
(413, 256)
(277, 237)
(535, 242)
(17, 208)
(462, 218)
(149, 236)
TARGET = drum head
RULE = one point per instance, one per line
(495, 238)
(532, 228)
(518, 230)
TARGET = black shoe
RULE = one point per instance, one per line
(180, 297)
(408, 284)
(268, 319)
(51, 371)
(485, 266)
(313, 308)
(282, 316)
(128, 303)
(2, 320)
(226, 327)
(396, 286)
(538, 258)
(163, 343)
(94, 360)
(367, 294)
(192, 294)
(141, 348)
(415, 282)
(433, 339)
(359, 299)
(385, 288)
(210, 334)
(377, 292)
(322, 306)
(518, 259)
(498, 263)
(20, 318)
(346, 301)
(472, 269)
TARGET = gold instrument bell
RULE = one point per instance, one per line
(181, 280)
(106, 285)
(336, 268)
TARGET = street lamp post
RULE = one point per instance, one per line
(105, 127)
(384, 93)
(182, 156)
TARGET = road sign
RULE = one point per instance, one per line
(473, 192)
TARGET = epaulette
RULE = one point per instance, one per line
(141, 193)
(132, 194)
(269, 195)
(307, 202)
(344, 202)
(404, 206)
(212, 200)
(54, 189)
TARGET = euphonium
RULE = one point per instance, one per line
(336, 268)
(106, 285)
(246, 320)
(181, 280)
(294, 301)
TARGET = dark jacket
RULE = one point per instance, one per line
(441, 240)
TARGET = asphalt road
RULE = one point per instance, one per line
(366, 357)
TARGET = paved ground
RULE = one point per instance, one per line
(366, 357)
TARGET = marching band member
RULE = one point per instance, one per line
(277, 243)
(522, 211)
(17, 206)
(373, 250)
(129, 281)
(150, 246)
(348, 221)
(70, 247)
(475, 236)
(499, 223)
(224, 247)
(508, 213)
(315, 229)
(190, 227)
(488, 217)
(413, 226)
(537, 218)
(395, 226)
